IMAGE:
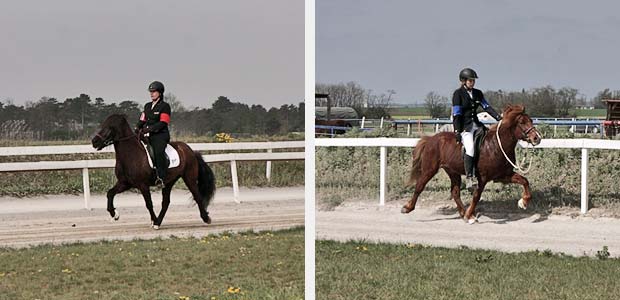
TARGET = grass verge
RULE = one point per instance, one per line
(265, 265)
(358, 270)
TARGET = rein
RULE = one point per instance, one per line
(516, 166)
(111, 141)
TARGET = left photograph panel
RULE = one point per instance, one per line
(152, 150)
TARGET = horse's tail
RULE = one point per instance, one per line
(206, 181)
(416, 164)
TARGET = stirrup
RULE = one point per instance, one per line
(159, 182)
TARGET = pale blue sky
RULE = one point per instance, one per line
(419, 46)
(250, 51)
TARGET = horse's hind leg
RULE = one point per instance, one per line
(146, 193)
(419, 187)
(455, 190)
(118, 188)
(193, 188)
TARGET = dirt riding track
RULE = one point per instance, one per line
(438, 226)
(62, 219)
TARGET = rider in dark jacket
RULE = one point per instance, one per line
(465, 102)
(153, 123)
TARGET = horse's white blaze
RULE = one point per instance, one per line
(521, 204)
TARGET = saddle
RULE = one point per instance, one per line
(172, 156)
(479, 136)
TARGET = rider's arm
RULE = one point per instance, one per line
(487, 107)
(457, 113)
(142, 119)
(164, 119)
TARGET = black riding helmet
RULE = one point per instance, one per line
(467, 73)
(156, 86)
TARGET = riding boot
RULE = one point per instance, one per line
(471, 181)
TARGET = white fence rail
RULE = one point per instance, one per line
(85, 165)
(384, 143)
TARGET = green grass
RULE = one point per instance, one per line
(358, 270)
(599, 112)
(262, 265)
(408, 112)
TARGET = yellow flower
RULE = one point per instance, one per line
(183, 298)
(66, 271)
(233, 290)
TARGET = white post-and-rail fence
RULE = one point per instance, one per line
(84, 165)
(384, 143)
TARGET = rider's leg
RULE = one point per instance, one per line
(159, 142)
(468, 143)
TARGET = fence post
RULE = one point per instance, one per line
(381, 126)
(268, 171)
(584, 180)
(86, 186)
(235, 180)
(574, 128)
(587, 119)
(437, 126)
(555, 129)
(383, 176)
(363, 121)
(408, 126)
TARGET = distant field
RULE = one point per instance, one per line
(359, 270)
(266, 265)
(421, 112)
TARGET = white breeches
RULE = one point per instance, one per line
(467, 137)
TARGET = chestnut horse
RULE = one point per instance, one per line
(133, 171)
(442, 151)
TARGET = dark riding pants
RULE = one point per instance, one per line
(158, 142)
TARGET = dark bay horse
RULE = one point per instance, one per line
(133, 171)
(442, 151)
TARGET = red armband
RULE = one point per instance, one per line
(164, 117)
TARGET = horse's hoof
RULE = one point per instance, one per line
(116, 216)
(208, 220)
(472, 221)
(156, 227)
(405, 210)
(522, 204)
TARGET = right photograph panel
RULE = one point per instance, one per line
(467, 150)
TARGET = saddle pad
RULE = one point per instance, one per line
(171, 153)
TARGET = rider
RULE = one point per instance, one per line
(465, 102)
(154, 121)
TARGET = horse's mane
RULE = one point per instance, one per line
(509, 116)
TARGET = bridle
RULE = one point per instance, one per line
(108, 142)
(514, 165)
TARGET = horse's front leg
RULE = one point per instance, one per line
(527, 196)
(118, 188)
(164, 205)
(470, 218)
(146, 193)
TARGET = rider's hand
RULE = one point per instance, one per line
(458, 137)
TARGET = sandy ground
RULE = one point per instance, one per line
(442, 226)
(61, 219)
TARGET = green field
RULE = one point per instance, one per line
(358, 270)
(265, 265)
(422, 113)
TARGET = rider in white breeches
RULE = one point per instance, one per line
(465, 101)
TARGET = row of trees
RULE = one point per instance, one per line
(79, 117)
(541, 102)
(352, 94)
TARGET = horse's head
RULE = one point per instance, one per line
(111, 130)
(523, 127)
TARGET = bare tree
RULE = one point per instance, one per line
(436, 105)
(567, 98)
(175, 104)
